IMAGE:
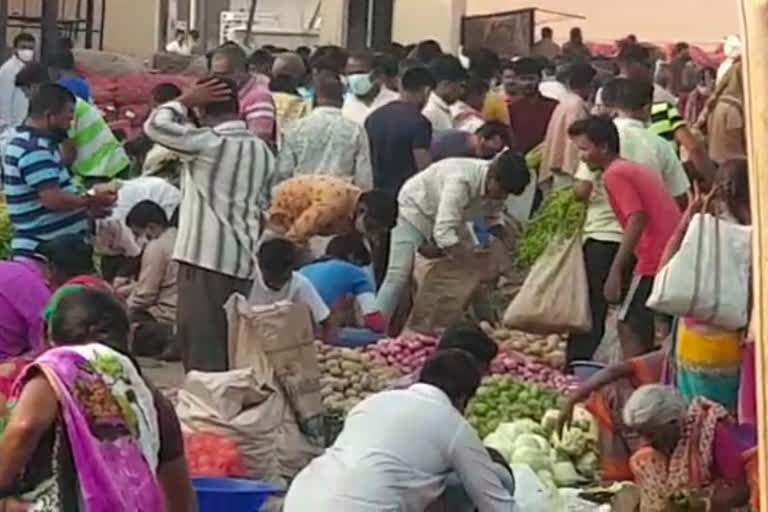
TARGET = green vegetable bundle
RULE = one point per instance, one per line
(501, 399)
(6, 231)
(561, 216)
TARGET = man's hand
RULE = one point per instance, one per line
(458, 252)
(211, 90)
(430, 251)
(612, 287)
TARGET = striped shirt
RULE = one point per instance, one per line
(258, 109)
(222, 185)
(99, 153)
(666, 120)
(31, 164)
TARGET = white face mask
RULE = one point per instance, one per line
(26, 55)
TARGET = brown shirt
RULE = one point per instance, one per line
(727, 139)
(156, 292)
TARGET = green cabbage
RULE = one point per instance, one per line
(565, 475)
(533, 441)
(588, 465)
(538, 460)
(500, 444)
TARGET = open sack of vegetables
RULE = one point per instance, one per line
(555, 295)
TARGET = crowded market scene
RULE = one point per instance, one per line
(400, 277)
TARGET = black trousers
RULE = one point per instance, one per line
(598, 258)
(200, 317)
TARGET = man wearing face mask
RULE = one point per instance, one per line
(529, 111)
(13, 102)
(43, 201)
(366, 74)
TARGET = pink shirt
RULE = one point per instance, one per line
(258, 109)
(23, 296)
(633, 188)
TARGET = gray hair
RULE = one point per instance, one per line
(653, 405)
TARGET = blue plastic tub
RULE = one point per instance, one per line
(230, 494)
(583, 370)
(353, 337)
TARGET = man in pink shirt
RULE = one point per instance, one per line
(256, 105)
(647, 213)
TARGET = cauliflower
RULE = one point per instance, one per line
(573, 442)
(549, 421)
(588, 465)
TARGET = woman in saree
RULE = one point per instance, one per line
(86, 432)
(604, 395)
(692, 455)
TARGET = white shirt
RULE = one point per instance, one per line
(298, 290)
(13, 102)
(113, 237)
(638, 144)
(223, 187)
(438, 112)
(394, 455)
(442, 198)
(552, 89)
(355, 110)
(179, 48)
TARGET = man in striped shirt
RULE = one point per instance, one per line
(91, 149)
(255, 101)
(43, 203)
(220, 219)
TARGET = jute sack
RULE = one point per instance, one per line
(555, 295)
(444, 288)
(283, 333)
(247, 407)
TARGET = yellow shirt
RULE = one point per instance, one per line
(495, 107)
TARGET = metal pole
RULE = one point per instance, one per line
(49, 29)
(370, 24)
(102, 23)
(249, 26)
(89, 7)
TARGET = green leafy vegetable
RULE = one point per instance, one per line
(561, 216)
(6, 231)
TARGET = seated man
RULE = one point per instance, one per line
(398, 448)
(152, 299)
(340, 275)
(276, 281)
(307, 206)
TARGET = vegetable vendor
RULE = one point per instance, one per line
(341, 279)
(398, 448)
(435, 206)
(694, 459)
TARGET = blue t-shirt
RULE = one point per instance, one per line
(336, 279)
(77, 86)
(32, 163)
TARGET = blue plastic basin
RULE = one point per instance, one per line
(230, 494)
(583, 370)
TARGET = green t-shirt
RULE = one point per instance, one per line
(99, 153)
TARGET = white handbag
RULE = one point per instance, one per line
(708, 278)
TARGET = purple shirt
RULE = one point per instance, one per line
(23, 296)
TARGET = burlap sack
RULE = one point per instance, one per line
(247, 407)
(444, 288)
(106, 63)
(283, 333)
(555, 296)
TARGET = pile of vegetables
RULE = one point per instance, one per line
(407, 353)
(561, 216)
(559, 462)
(525, 369)
(350, 375)
(6, 231)
(548, 349)
(500, 400)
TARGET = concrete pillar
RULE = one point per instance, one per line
(334, 16)
(417, 20)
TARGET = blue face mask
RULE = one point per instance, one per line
(359, 84)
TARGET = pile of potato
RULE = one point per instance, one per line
(351, 375)
(547, 349)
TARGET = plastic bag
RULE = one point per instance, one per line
(708, 278)
(555, 295)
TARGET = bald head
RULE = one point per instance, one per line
(290, 64)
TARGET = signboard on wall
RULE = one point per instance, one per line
(510, 34)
